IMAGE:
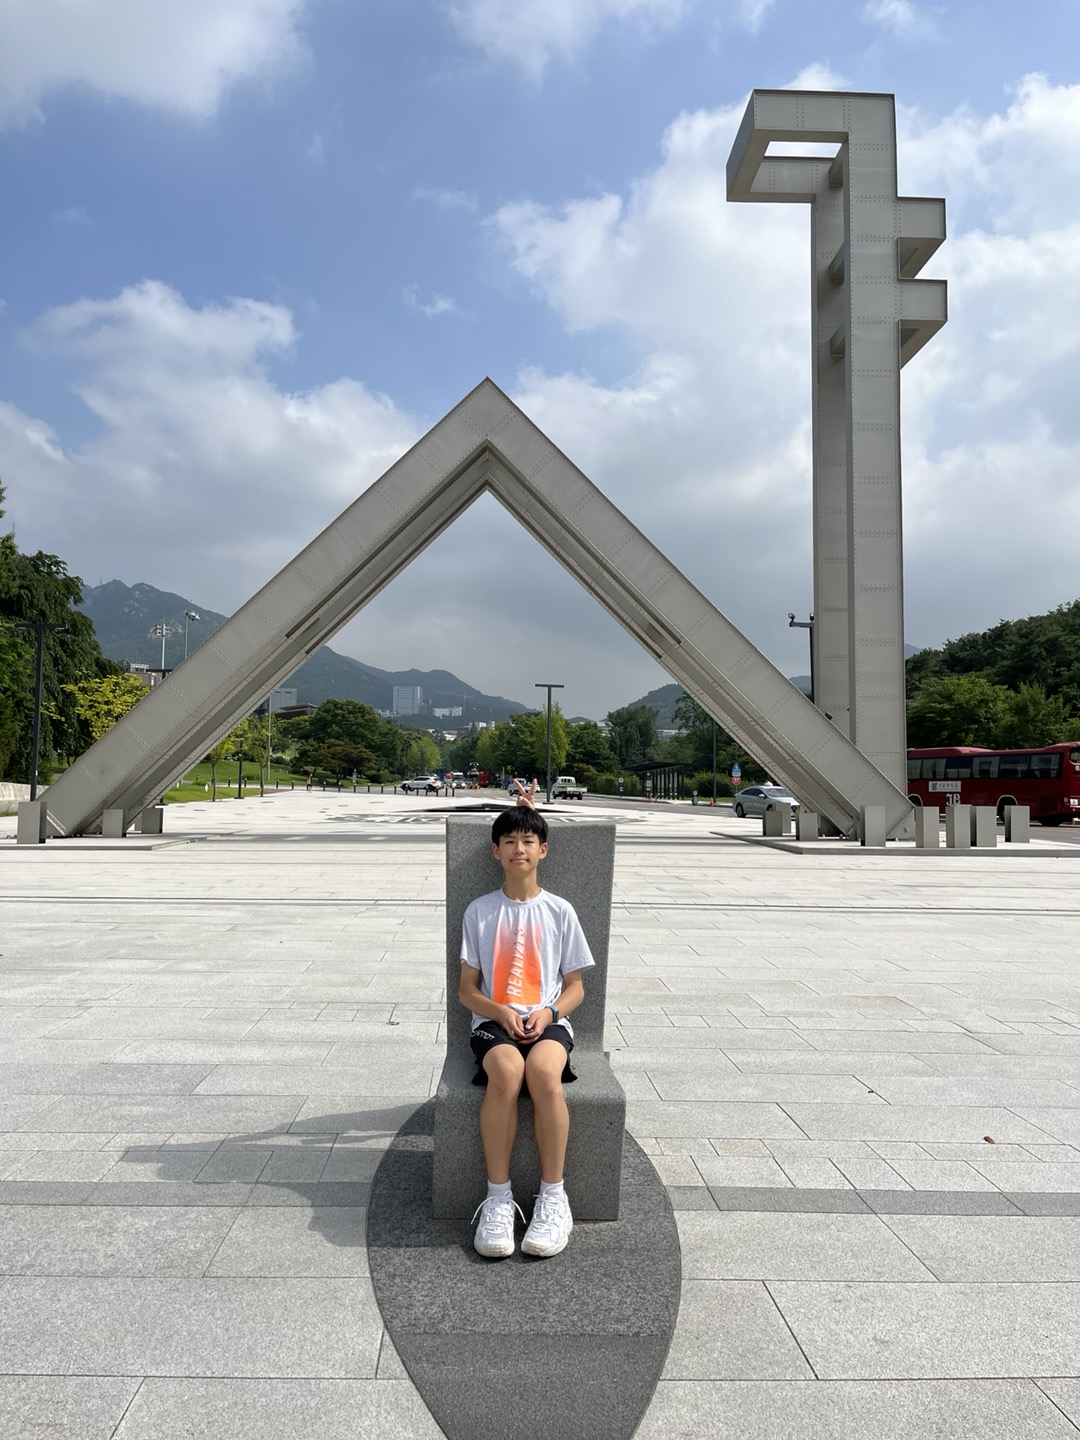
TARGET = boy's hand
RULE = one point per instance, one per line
(510, 1020)
(526, 797)
(536, 1023)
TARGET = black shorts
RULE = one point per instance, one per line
(485, 1037)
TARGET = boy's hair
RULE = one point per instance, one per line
(519, 820)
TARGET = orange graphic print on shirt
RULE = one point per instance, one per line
(516, 976)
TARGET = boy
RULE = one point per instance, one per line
(522, 954)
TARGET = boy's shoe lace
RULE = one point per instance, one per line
(550, 1226)
(495, 1234)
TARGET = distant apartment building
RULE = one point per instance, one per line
(283, 699)
(408, 700)
(448, 712)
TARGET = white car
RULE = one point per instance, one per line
(756, 799)
(430, 784)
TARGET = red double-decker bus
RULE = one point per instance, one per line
(1047, 780)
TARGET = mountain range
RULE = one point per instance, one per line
(126, 618)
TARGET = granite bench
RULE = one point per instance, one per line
(579, 866)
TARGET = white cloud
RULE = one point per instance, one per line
(437, 305)
(158, 53)
(532, 33)
(202, 471)
(902, 19)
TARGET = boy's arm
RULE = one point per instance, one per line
(471, 996)
(573, 993)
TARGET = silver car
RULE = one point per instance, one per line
(756, 799)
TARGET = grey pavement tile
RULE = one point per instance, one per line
(744, 1120)
(44, 1192)
(279, 1410)
(1040, 1044)
(151, 1164)
(943, 1175)
(690, 1197)
(886, 1410)
(295, 1162)
(1066, 1396)
(49, 1051)
(102, 1240)
(913, 1122)
(177, 1193)
(212, 1113)
(208, 1327)
(1055, 1123)
(67, 1407)
(408, 1075)
(1032, 1203)
(815, 1174)
(342, 1114)
(19, 1112)
(207, 1053)
(672, 1082)
(911, 1331)
(102, 1079)
(914, 1042)
(1040, 1175)
(939, 1202)
(678, 1169)
(731, 1330)
(840, 1062)
(788, 1198)
(290, 1243)
(772, 1245)
(319, 1195)
(741, 1171)
(63, 1165)
(987, 1090)
(993, 1247)
(54, 1140)
(390, 1366)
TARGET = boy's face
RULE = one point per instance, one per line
(519, 853)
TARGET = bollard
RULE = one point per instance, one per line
(984, 827)
(958, 827)
(112, 824)
(776, 820)
(1017, 824)
(872, 827)
(152, 820)
(927, 827)
(32, 823)
(807, 826)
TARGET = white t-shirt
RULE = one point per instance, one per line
(522, 949)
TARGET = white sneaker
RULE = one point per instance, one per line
(550, 1226)
(495, 1234)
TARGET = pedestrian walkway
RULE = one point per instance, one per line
(857, 1075)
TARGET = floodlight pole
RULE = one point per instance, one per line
(189, 615)
(38, 627)
(542, 685)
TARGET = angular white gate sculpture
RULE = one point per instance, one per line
(485, 444)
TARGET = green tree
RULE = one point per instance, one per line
(38, 587)
(255, 738)
(632, 734)
(221, 751)
(339, 759)
(538, 749)
(422, 754)
(1034, 718)
(100, 703)
(957, 710)
(587, 748)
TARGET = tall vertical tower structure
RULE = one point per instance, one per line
(870, 316)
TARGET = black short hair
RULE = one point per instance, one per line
(519, 820)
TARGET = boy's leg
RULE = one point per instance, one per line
(505, 1070)
(543, 1071)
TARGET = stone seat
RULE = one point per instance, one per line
(579, 866)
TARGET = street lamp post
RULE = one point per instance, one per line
(189, 615)
(794, 624)
(543, 685)
(38, 627)
(240, 773)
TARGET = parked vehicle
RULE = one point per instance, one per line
(430, 784)
(756, 799)
(1046, 779)
(457, 780)
(567, 788)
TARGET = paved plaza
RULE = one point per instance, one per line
(857, 1073)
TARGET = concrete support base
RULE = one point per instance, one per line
(958, 827)
(927, 827)
(112, 824)
(32, 823)
(807, 825)
(872, 827)
(984, 827)
(776, 821)
(152, 820)
(1017, 824)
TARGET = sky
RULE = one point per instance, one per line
(254, 249)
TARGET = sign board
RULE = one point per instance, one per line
(736, 774)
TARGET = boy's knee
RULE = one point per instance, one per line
(505, 1069)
